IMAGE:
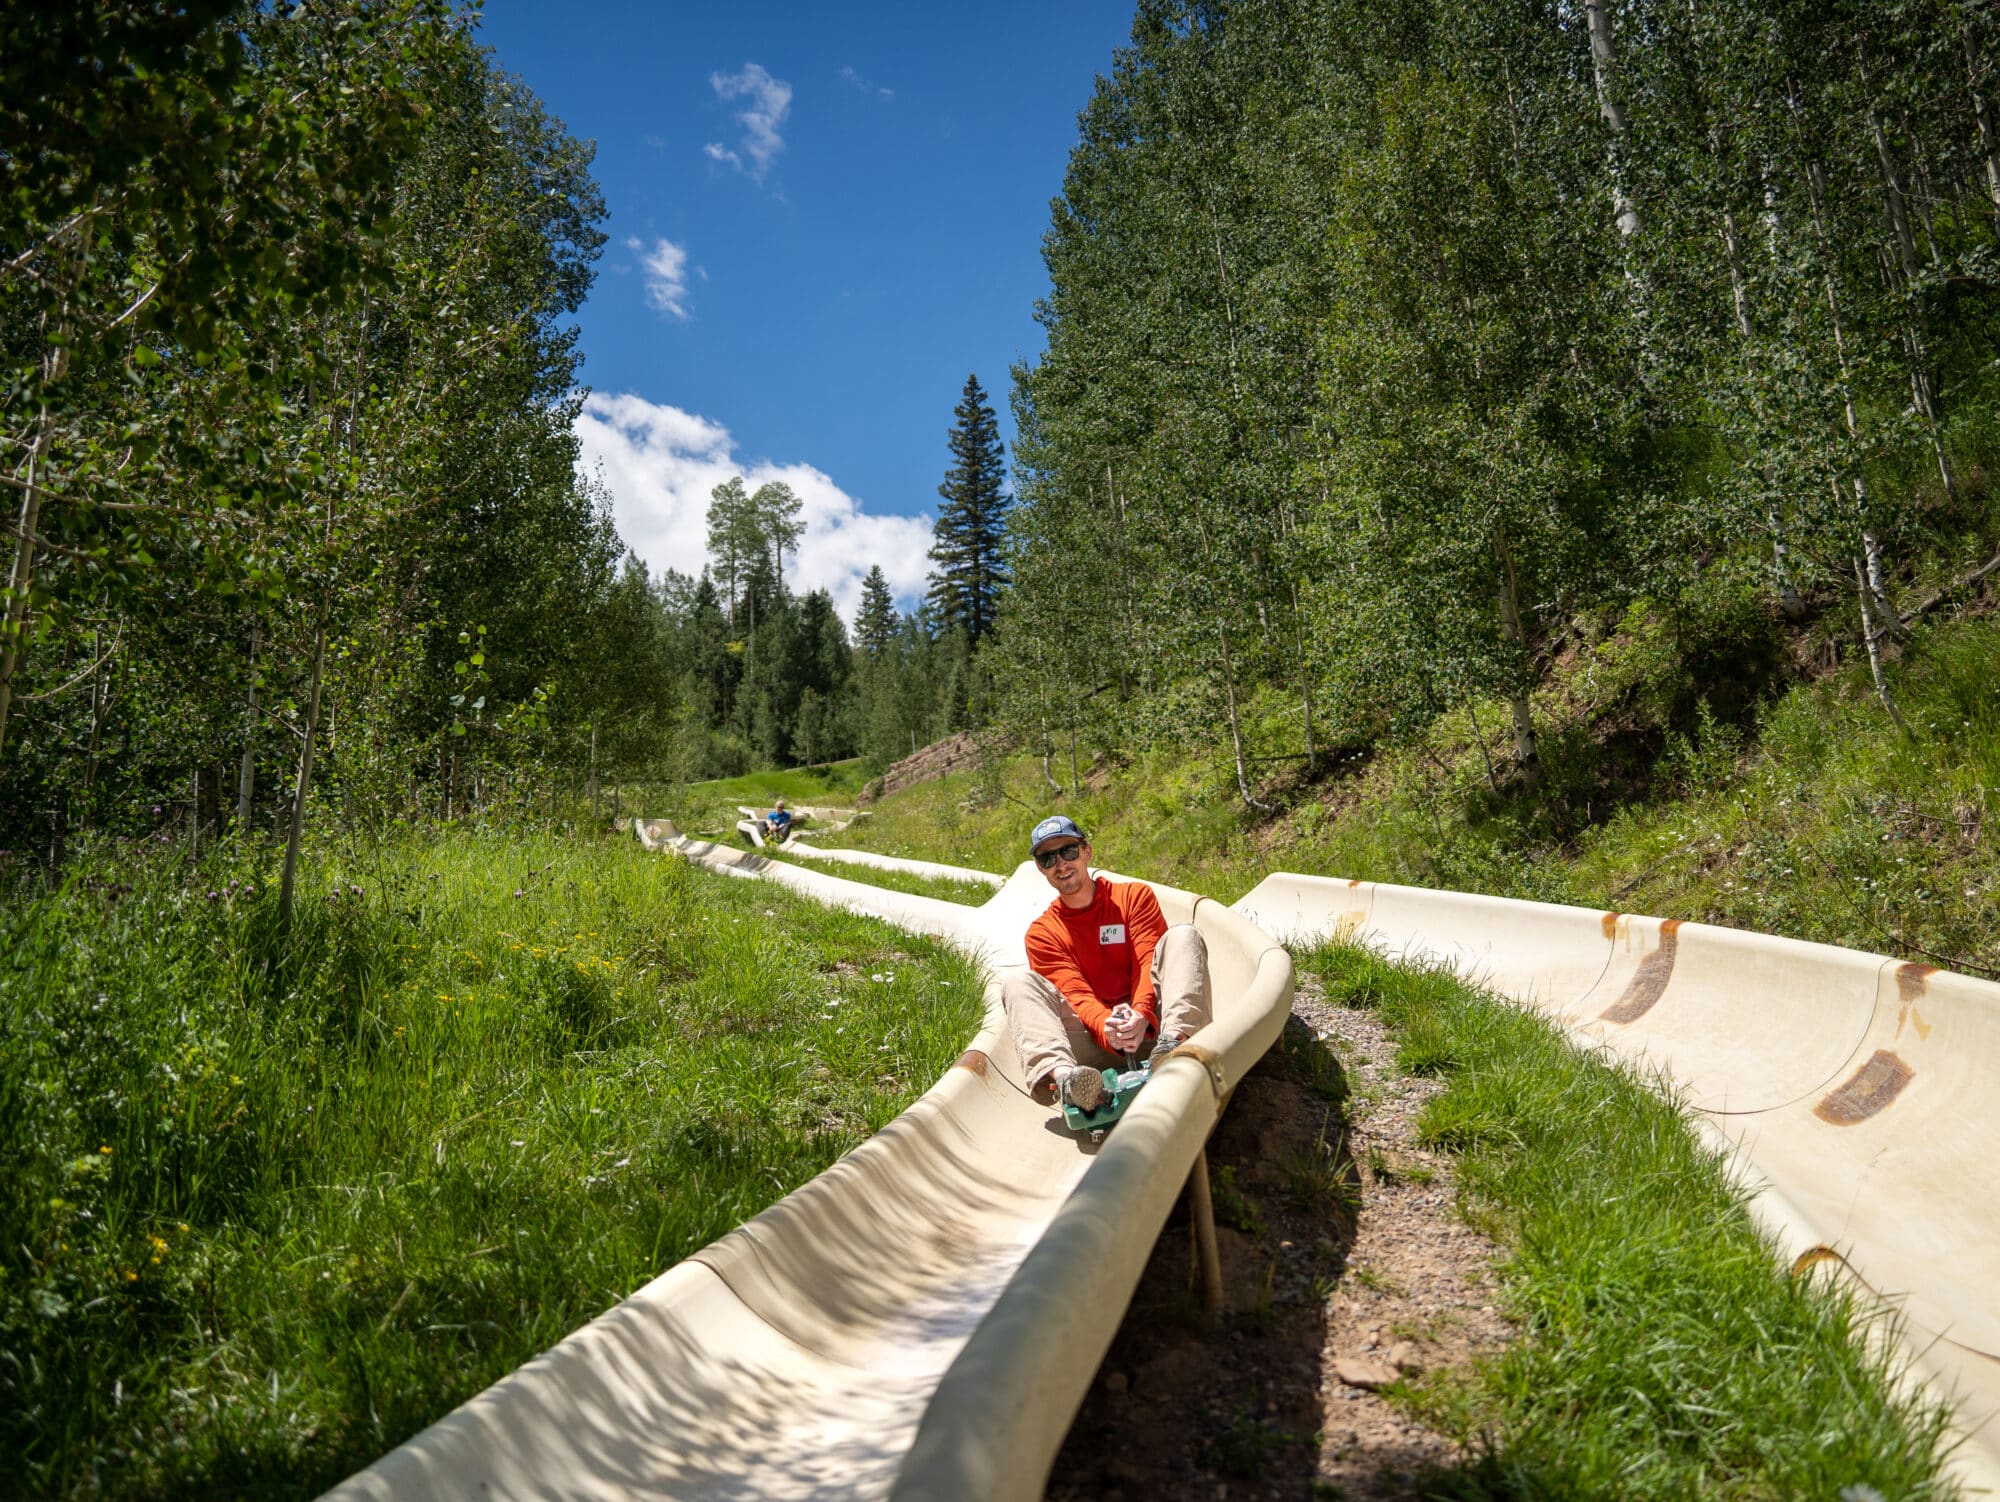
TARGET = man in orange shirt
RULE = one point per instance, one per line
(1106, 976)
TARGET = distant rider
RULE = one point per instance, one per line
(778, 823)
(1107, 977)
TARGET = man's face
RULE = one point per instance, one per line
(1071, 877)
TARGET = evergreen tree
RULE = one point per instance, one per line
(971, 524)
(875, 626)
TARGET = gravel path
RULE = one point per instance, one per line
(1418, 1293)
(1346, 1268)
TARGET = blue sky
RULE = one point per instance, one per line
(822, 218)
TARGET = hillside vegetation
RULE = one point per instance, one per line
(1807, 813)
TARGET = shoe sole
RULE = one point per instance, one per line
(1085, 1090)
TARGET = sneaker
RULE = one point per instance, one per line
(1167, 1043)
(1081, 1087)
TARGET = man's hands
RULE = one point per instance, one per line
(1125, 1029)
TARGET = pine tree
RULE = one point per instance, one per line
(965, 587)
(875, 626)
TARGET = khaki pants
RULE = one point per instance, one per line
(1051, 1036)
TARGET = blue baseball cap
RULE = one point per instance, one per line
(1049, 828)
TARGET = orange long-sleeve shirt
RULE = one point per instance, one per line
(1100, 955)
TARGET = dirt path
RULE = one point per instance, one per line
(1345, 1265)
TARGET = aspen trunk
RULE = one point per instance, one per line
(593, 772)
(1989, 139)
(1872, 574)
(1305, 683)
(1781, 563)
(246, 771)
(1772, 219)
(1895, 202)
(1871, 637)
(1739, 292)
(1235, 725)
(1739, 286)
(1893, 197)
(99, 695)
(1124, 586)
(1527, 749)
(1871, 549)
(1604, 70)
(295, 835)
(1479, 736)
(21, 575)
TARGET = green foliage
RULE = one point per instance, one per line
(291, 370)
(965, 588)
(1388, 342)
(272, 1202)
(1664, 1352)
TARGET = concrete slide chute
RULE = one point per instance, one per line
(896, 863)
(1852, 1093)
(884, 1329)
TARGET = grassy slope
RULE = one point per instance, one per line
(259, 1227)
(1808, 815)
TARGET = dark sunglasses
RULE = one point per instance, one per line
(1047, 859)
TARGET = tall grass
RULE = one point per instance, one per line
(1665, 1351)
(270, 1203)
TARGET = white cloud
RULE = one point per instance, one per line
(665, 266)
(865, 86)
(660, 464)
(770, 101)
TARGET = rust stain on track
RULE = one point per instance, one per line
(1912, 981)
(1873, 1088)
(1649, 983)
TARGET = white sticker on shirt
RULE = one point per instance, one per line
(1111, 933)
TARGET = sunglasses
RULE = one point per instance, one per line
(1047, 859)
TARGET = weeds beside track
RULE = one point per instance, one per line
(268, 1205)
(1665, 1351)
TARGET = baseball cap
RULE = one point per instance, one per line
(1052, 826)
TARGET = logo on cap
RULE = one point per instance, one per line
(1052, 826)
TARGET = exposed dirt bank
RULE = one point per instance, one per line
(1345, 1268)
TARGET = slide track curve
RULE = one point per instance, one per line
(886, 1330)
